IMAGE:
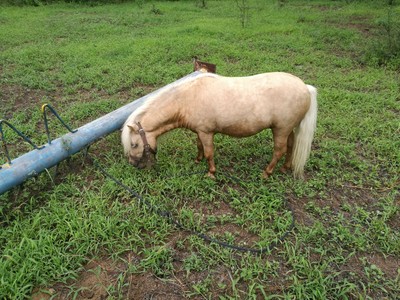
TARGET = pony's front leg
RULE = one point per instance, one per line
(207, 140)
(200, 150)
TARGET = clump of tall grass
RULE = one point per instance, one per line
(385, 49)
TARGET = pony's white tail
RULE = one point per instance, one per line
(303, 136)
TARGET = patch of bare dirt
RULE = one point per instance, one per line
(15, 98)
(389, 265)
(90, 284)
(101, 279)
(298, 206)
(147, 286)
(362, 24)
(394, 221)
(93, 282)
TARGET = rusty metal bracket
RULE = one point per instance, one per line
(204, 66)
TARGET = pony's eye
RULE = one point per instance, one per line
(133, 146)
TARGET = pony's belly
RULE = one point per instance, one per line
(241, 130)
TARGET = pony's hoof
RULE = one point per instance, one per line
(211, 175)
(283, 170)
(265, 175)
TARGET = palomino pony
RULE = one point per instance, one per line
(236, 106)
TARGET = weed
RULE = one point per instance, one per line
(244, 11)
(386, 48)
(201, 3)
(155, 10)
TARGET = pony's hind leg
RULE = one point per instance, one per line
(200, 150)
(288, 158)
(280, 147)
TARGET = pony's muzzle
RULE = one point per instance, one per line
(133, 162)
(145, 162)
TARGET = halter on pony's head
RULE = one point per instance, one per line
(149, 153)
(146, 145)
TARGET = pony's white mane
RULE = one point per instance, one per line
(125, 136)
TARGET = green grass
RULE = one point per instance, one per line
(87, 61)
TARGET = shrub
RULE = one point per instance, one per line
(385, 49)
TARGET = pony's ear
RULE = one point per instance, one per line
(132, 128)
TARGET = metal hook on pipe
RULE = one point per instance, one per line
(44, 106)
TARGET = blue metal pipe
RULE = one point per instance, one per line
(38, 160)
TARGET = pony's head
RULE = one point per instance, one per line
(136, 146)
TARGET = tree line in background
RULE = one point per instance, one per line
(201, 3)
